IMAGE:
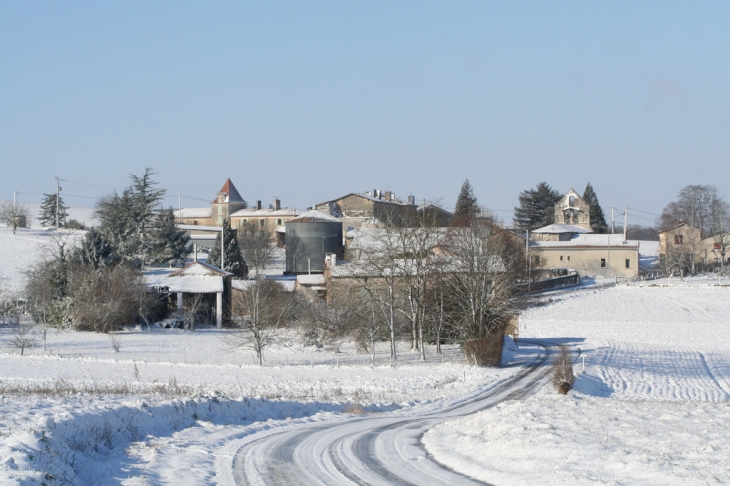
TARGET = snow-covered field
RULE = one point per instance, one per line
(18, 252)
(168, 395)
(651, 406)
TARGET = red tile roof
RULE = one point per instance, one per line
(230, 190)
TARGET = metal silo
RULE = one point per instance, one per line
(309, 237)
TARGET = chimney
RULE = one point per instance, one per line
(277, 204)
(258, 204)
(411, 199)
(387, 195)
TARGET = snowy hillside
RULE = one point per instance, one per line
(651, 406)
(82, 214)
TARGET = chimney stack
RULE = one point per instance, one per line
(258, 204)
(277, 204)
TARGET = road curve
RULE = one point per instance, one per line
(372, 449)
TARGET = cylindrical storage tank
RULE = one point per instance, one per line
(309, 238)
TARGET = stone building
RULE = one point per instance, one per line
(228, 203)
(368, 209)
(573, 210)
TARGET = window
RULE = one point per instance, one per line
(628, 263)
(568, 257)
(603, 263)
(678, 239)
(561, 258)
(279, 222)
(262, 223)
(195, 221)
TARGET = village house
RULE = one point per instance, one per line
(369, 209)
(570, 243)
(228, 204)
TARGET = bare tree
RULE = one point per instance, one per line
(330, 324)
(14, 215)
(192, 307)
(487, 266)
(379, 271)
(255, 247)
(24, 335)
(416, 238)
(260, 314)
(368, 329)
(697, 205)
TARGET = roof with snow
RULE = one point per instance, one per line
(201, 269)
(193, 213)
(317, 279)
(265, 213)
(370, 198)
(314, 216)
(192, 284)
(232, 194)
(588, 240)
(561, 228)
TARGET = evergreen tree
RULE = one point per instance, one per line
(537, 207)
(47, 216)
(135, 226)
(466, 206)
(94, 250)
(598, 220)
(233, 260)
(167, 242)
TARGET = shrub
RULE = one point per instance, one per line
(562, 375)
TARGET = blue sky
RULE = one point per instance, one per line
(309, 101)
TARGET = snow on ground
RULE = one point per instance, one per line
(18, 252)
(126, 417)
(651, 406)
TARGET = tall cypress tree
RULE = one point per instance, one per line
(466, 206)
(537, 207)
(598, 220)
(233, 260)
(47, 215)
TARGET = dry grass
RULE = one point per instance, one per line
(562, 376)
(354, 408)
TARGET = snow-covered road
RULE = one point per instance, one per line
(371, 449)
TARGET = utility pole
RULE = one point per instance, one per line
(626, 222)
(15, 206)
(58, 197)
(613, 226)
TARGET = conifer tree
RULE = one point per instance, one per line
(598, 220)
(233, 261)
(134, 223)
(166, 241)
(47, 216)
(466, 206)
(537, 207)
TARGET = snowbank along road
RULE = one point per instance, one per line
(372, 449)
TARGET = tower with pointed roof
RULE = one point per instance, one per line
(226, 202)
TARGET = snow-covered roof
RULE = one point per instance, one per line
(265, 213)
(588, 240)
(192, 213)
(241, 284)
(314, 216)
(193, 284)
(199, 268)
(561, 228)
(317, 279)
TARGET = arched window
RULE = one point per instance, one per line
(279, 222)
